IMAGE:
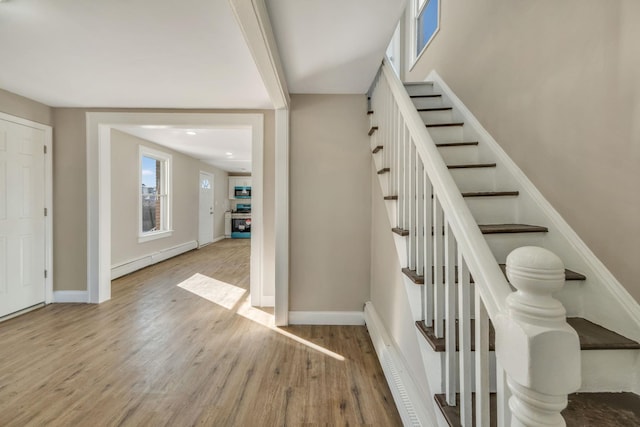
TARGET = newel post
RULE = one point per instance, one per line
(538, 350)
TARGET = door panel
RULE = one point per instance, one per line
(22, 222)
(205, 226)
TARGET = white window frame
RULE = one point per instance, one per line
(416, 8)
(165, 205)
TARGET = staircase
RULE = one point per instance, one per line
(514, 337)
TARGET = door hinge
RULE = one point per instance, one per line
(45, 274)
(45, 149)
(45, 211)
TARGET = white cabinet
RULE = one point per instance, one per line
(238, 181)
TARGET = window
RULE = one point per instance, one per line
(155, 188)
(426, 23)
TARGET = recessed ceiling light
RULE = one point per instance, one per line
(190, 132)
(229, 153)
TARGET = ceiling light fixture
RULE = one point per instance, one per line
(229, 153)
(190, 132)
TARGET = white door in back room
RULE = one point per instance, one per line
(205, 227)
(22, 217)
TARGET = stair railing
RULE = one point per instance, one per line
(445, 246)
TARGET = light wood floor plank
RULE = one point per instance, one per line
(160, 355)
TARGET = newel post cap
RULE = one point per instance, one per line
(534, 343)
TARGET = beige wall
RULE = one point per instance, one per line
(330, 203)
(70, 190)
(19, 106)
(185, 172)
(556, 84)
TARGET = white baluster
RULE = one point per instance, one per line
(538, 350)
(450, 312)
(464, 341)
(482, 363)
(428, 251)
(438, 263)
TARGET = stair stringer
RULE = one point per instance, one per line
(601, 298)
(391, 321)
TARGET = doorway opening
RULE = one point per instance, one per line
(99, 129)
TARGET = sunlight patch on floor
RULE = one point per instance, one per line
(229, 296)
(216, 291)
(266, 319)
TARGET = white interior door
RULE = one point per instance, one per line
(22, 217)
(205, 233)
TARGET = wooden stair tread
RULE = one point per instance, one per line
(596, 337)
(452, 413)
(456, 144)
(508, 228)
(384, 170)
(400, 231)
(372, 130)
(472, 165)
(511, 228)
(378, 148)
(419, 279)
(583, 409)
(491, 194)
(602, 410)
(568, 274)
(433, 95)
(435, 109)
(592, 336)
(439, 125)
(439, 345)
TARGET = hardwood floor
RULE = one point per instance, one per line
(158, 354)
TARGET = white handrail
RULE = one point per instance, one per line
(488, 277)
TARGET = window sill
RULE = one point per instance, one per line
(153, 236)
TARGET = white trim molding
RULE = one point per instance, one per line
(326, 318)
(135, 264)
(70, 296)
(99, 125)
(281, 279)
(253, 19)
(409, 401)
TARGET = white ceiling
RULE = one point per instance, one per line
(187, 54)
(332, 46)
(226, 148)
(128, 53)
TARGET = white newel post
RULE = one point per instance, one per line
(538, 350)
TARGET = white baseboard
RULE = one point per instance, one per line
(70, 296)
(406, 394)
(217, 239)
(132, 265)
(326, 318)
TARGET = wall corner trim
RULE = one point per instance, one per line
(70, 297)
(409, 401)
(326, 318)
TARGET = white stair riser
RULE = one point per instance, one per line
(493, 210)
(428, 102)
(447, 134)
(480, 179)
(437, 116)
(610, 370)
(420, 89)
(459, 155)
